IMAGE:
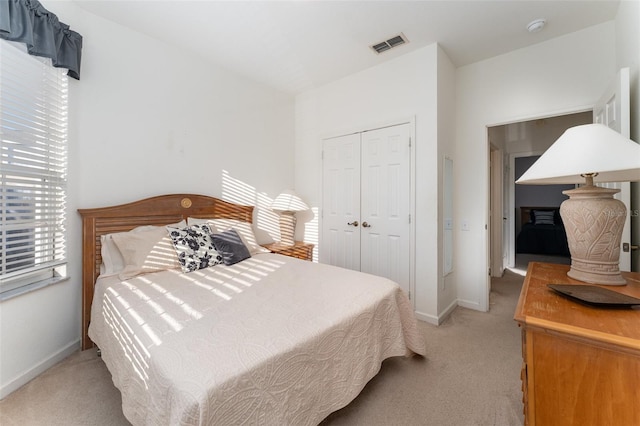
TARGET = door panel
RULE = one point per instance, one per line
(341, 202)
(385, 195)
(613, 110)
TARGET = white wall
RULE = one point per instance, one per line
(402, 88)
(146, 119)
(536, 136)
(561, 75)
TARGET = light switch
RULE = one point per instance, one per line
(465, 225)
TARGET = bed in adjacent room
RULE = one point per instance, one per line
(542, 232)
(216, 330)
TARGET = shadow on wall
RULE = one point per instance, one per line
(266, 221)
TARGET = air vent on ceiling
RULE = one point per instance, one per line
(390, 43)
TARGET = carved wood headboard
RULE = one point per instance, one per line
(160, 210)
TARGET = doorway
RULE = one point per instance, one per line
(521, 140)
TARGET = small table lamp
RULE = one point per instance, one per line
(287, 204)
(593, 219)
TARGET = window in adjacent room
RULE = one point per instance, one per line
(33, 171)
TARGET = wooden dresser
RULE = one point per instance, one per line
(581, 363)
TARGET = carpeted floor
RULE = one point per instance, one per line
(471, 376)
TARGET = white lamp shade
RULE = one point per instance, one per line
(288, 201)
(590, 148)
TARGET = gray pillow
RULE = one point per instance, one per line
(230, 246)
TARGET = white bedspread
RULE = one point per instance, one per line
(272, 340)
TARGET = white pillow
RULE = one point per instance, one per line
(146, 251)
(112, 261)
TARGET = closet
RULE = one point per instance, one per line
(366, 200)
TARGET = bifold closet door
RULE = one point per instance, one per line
(366, 203)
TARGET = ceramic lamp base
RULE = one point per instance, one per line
(593, 220)
(287, 228)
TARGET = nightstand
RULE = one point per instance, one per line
(300, 249)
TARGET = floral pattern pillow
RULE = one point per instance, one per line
(194, 247)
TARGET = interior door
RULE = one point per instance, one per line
(341, 202)
(385, 203)
(496, 215)
(613, 110)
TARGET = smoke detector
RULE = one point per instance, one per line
(536, 25)
(394, 41)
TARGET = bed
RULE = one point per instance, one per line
(269, 339)
(542, 232)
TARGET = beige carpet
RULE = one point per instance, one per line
(471, 376)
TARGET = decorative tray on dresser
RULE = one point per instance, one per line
(581, 361)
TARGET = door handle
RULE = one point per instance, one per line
(365, 225)
(354, 223)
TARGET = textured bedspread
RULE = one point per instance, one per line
(272, 340)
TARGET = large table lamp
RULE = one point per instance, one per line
(287, 204)
(593, 219)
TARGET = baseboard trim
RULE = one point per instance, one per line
(445, 314)
(437, 320)
(470, 305)
(431, 319)
(36, 370)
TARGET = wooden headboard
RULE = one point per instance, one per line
(160, 210)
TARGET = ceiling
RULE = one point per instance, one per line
(298, 45)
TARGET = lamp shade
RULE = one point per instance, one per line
(288, 201)
(592, 218)
(587, 149)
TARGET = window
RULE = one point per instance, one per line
(33, 171)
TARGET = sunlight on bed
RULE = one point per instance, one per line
(188, 309)
(229, 275)
(153, 304)
(121, 331)
(220, 280)
(191, 279)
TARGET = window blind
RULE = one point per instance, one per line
(33, 168)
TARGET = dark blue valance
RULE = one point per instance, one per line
(27, 21)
